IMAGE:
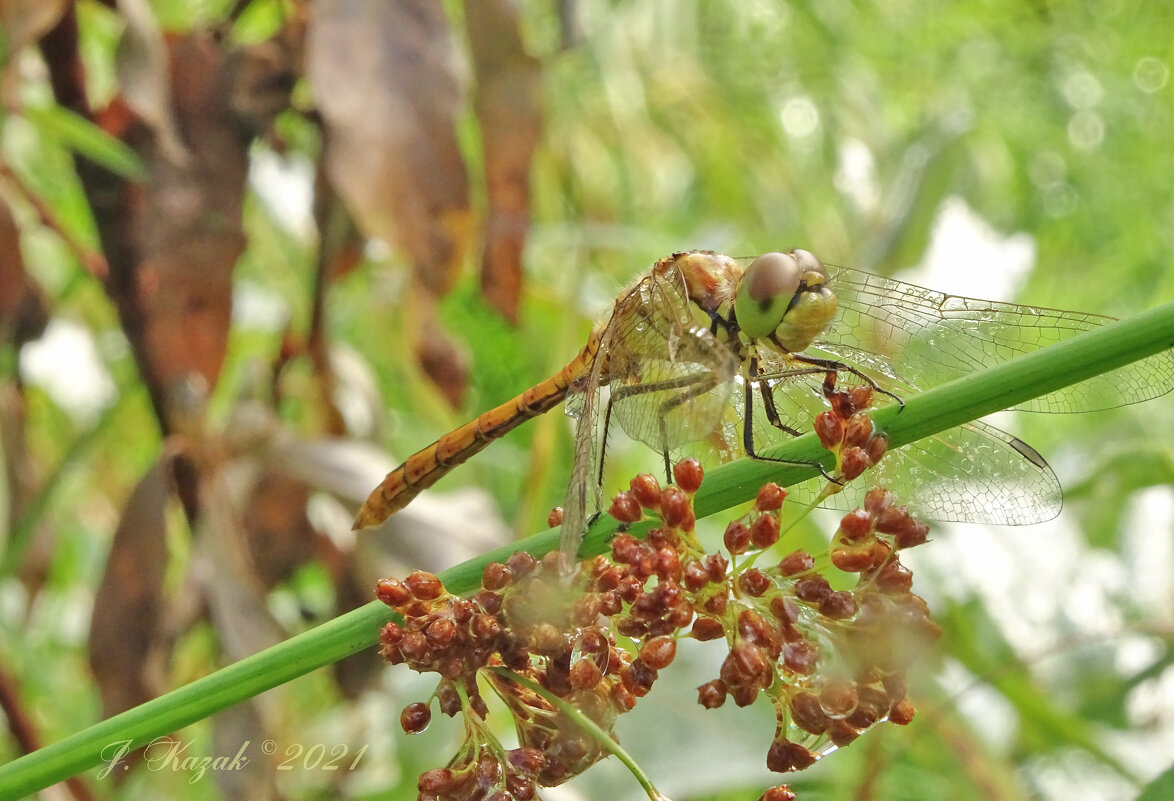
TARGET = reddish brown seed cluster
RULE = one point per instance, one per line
(528, 619)
(847, 429)
(480, 770)
(831, 661)
(826, 637)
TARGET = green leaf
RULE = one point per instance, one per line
(1160, 789)
(81, 135)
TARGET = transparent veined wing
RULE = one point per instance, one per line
(666, 378)
(925, 338)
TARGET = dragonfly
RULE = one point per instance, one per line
(723, 354)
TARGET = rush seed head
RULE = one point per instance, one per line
(831, 662)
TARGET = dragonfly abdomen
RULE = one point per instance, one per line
(424, 468)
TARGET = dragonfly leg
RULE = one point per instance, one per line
(832, 365)
(772, 411)
(694, 384)
(772, 415)
(603, 442)
(699, 389)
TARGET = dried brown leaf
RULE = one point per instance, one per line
(231, 579)
(387, 81)
(234, 733)
(357, 672)
(125, 640)
(23, 22)
(442, 361)
(187, 222)
(280, 536)
(141, 65)
(508, 106)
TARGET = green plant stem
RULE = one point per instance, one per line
(943, 407)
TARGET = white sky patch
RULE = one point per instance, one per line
(65, 363)
(967, 256)
(856, 175)
(1149, 550)
(255, 306)
(286, 187)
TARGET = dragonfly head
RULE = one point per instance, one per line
(785, 298)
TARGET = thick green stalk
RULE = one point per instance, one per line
(952, 404)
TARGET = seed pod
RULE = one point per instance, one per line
(392, 592)
(901, 713)
(857, 430)
(521, 563)
(779, 792)
(784, 608)
(830, 430)
(736, 537)
(436, 781)
(796, 562)
(852, 560)
(853, 462)
(694, 577)
(838, 605)
(706, 628)
(528, 761)
(424, 586)
(842, 405)
(754, 582)
(842, 733)
(485, 627)
(585, 674)
(658, 652)
(625, 508)
(787, 757)
(808, 713)
(801, 656)
(646, 490)
(441, 632)
(812, 589)
(856, 525)
(716, 565)
(861, 396)
(750, 658)
(688, 474)
(676, 509)
(877, 499)
(770, 497)
(712, 694)
(415, 717)
(764, 532)
(838, 698)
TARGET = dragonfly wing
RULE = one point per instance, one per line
(974, 473)
(666, 378)
(583, 489)
(927, 338)
(670, 376)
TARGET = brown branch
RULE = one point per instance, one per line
(109, 198)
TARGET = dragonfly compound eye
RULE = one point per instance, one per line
(765, 292)
(808, 263)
